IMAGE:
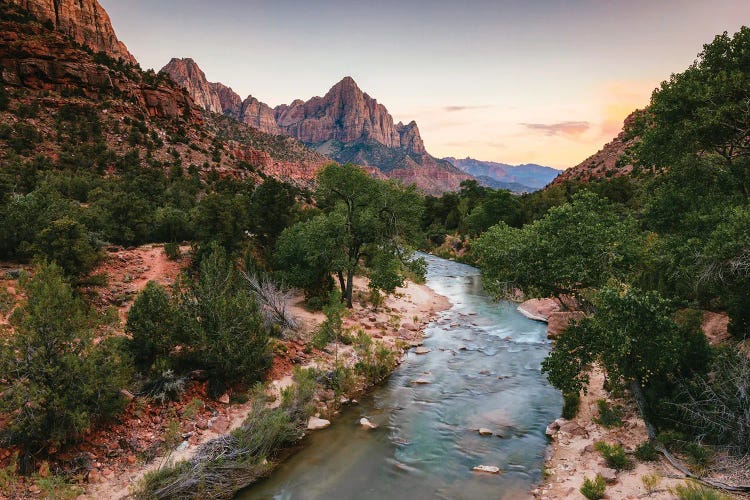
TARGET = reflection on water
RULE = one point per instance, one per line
(484, 371)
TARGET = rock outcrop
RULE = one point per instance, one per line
(85, 21)
(39, 59)
(187, 74)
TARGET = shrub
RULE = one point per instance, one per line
(62, 381)
(650, 482)
(153, 324)
(571, 403)
(172, 250)
(692, 491)
(646, 452)
(68, 243)
(614, 455)
(222, 326)
(593, 489)
(608, 416)
(330, 329)
(375, 360)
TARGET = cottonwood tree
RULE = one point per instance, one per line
(576, 247)
(363, 220)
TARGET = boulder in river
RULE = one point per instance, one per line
(366, 424)
(421, 350)
(484, 431)
(421, 381)
(488, 469)
(315, 423)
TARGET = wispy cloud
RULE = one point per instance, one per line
(573, 129)
(454, 109)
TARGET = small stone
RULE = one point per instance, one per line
(94, 476)
(489, 469)
(365, 423)
(609, 475)
(421, 381)
(127, 394)
(484, 432)
(131, 459)
(183, 446)
(316, 424)
(224, 399)
(421, 350)
(220, 424)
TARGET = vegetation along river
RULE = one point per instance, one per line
(483, 372)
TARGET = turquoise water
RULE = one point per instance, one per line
(484, 372)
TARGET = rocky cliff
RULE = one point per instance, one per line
(187, 74)
(605, 162)
(346, 114)
(85, 21)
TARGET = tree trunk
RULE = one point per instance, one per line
(640, 399)
(349, 288)
(342, 284)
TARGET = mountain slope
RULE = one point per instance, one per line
(518, 178)
(346, 125)
(85, 21)
(603, 163)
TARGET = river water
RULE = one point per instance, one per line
(484, 371)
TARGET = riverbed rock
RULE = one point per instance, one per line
(366, 424)
(488, 469)
(484, 431)
(559, 321)
(421, 381)
(421, 350)
(316, 424)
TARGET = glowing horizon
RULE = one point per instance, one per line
(546, 82)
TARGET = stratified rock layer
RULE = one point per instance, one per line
(85, 21)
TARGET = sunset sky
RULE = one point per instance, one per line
(522, 81)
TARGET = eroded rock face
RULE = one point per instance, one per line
(187, 74)
(258, 115)
(346, 114)
(83, 20)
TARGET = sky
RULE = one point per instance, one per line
(512, 81)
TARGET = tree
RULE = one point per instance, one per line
(362, 218)
(59, 383)
(577, 246)
(222, 327)
(633, 336)
(153, 325)
(704, 110)
(68, 243)
(273, 208)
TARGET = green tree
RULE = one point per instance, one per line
(222, 327)
(59, 383)
(362, 218)
(69, 244)
(633, 336)
(153, 324)
(577, 246)
(703, 111)
(273, 208)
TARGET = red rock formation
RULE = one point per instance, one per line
(187, 74)
(345, 114)
(83, 20)
(604, 162)
(39, 59)
(258, 115)
(231, 103)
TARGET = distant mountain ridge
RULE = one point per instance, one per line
(518, 178)
(346, 124)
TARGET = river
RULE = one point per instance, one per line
(483, 371)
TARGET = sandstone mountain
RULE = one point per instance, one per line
(85, 21)
(346, 125)
(605, 162)
(518, 178)
(135, 110)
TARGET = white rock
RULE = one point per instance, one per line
(367, 424)
(421, 350)
(484, 432)
(609, 475)
(315, 424)
(421, 381)
(489, 469)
